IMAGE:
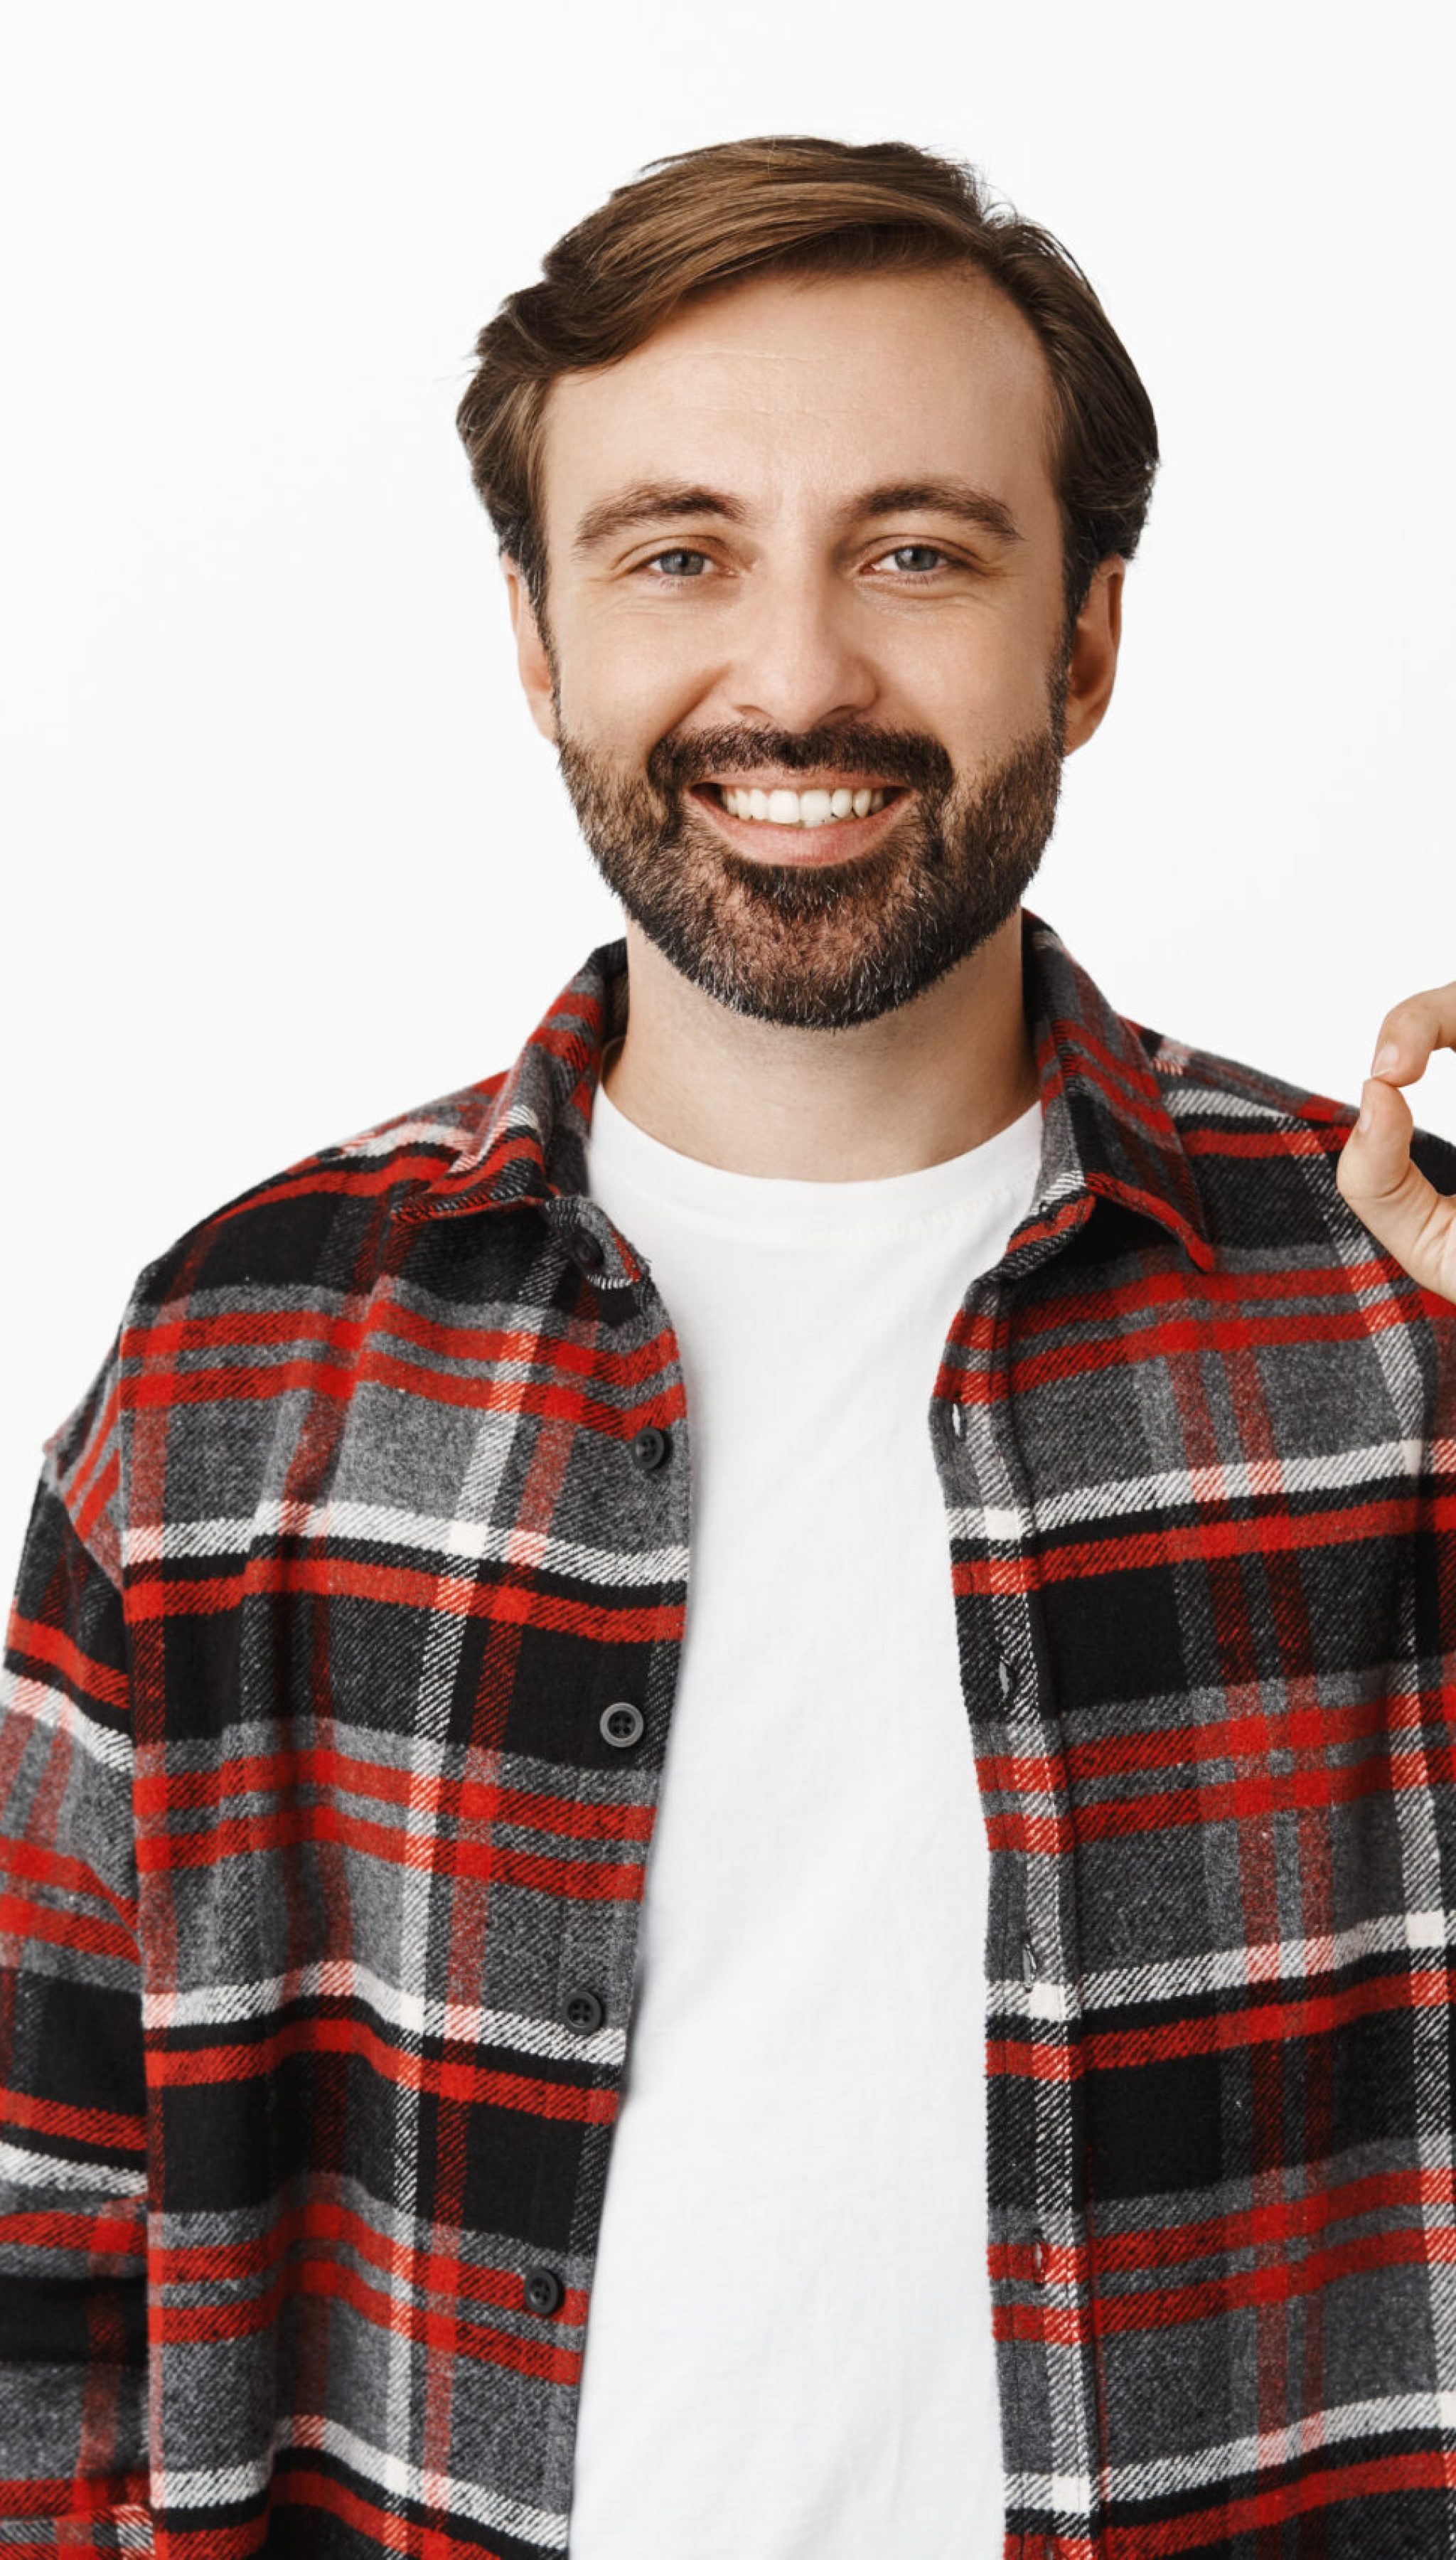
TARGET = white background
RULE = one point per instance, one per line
(286, 854)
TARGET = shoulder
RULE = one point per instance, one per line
(321, 1222)
(1251, 1136)
(1229, 1088)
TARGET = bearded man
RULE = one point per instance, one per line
(728, 1781)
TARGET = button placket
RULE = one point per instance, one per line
(1042, 2379)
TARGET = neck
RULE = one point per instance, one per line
(929, 1081)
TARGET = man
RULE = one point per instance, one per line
(943, 1468)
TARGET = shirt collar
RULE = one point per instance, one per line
(1105, 1127)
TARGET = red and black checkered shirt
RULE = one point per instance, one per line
(338, 1687)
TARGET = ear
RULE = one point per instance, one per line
(1093, 668)
(532, 662)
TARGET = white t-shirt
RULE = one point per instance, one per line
(788, 2348)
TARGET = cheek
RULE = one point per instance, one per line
(982, 694)
(624, 690)
(965, 707)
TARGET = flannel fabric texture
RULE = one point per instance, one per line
(338, 1684)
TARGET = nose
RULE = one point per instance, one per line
(799, 657)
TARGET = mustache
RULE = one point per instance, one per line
(900, 755)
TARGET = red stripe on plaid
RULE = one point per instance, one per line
(469, 2084)
(102, 2129)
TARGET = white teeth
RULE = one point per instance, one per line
(784, 808)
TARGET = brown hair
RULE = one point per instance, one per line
(794, 203)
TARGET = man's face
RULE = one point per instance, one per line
(761, 580)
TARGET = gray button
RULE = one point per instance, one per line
(545, 2290)
(587, 1250)
(1039, 2257)
(585, 2012)
(622, 1723)
(1030, 1966)
(1006, 1676)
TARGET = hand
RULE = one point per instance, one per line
(1373, 1171)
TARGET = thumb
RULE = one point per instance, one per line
(1379, 1145)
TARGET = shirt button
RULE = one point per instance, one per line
(651, 1446)
(585, 2012)
(545, 2290)
(1030, 1966)
(622, 1723)
(587, 1249)
(1039, 2257)
(1006, 1676)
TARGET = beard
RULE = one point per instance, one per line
(828, 945)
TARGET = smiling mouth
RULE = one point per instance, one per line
(785, 811)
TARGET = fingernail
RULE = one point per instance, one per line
(1363, 1121)
(1386, 1057)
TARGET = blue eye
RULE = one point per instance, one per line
(926, 549)
(675, 555)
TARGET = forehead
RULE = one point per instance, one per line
(791, 390)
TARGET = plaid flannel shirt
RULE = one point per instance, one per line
(338, 1684)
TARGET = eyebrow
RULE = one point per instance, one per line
(653, 502)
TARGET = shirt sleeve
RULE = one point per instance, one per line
(73, 2102)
